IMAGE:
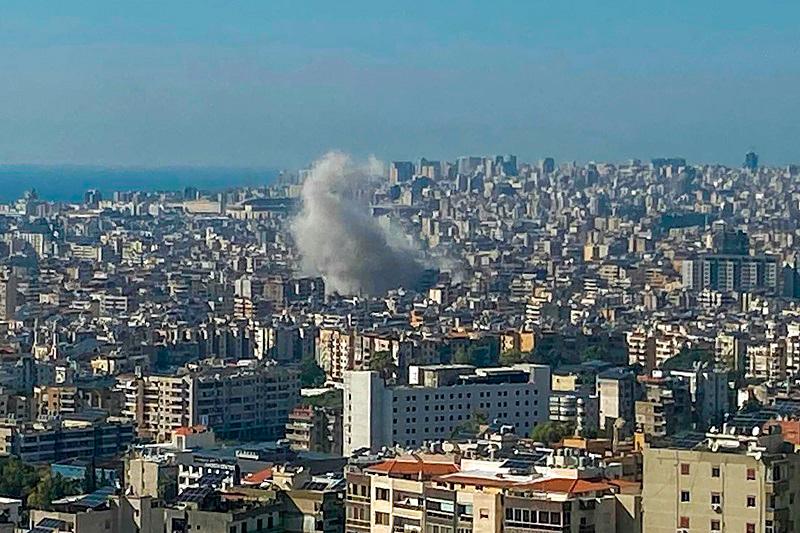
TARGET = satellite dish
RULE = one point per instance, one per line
(756, 431)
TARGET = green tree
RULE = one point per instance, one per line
(50, 488)
(17, 479)
(552, 432)
(472, 426)
(332, 399)
(514, 356)
(383, 362)
(311, 375)
(478, 354)
(90, 478)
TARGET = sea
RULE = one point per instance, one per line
(69, 183)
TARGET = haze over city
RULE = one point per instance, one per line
(277, 84)
(410, 267)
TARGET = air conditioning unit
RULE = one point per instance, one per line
(717, 508)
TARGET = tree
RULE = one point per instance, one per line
(332, 399)
(472, 426)
(50, 488)
(311, 375)
(383, 362)
(687, 357)
(90, 478)
(514, 356)
(16, 478)
(478, 354)
(552, 432)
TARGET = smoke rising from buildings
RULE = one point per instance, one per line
(340, 240)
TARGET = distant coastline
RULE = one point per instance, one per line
(68, 183)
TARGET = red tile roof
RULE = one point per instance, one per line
(257, 478)
(413, 466)
(566, 485)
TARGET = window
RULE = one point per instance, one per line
(714, 471)
(715, 525)
(685, 497)
(382, 519)
(382, 494)
(751, 474)
(684, 469)
(751, 501)
(716, 498)
(683, 522)
(751, 528)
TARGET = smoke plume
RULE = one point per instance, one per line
(340, 240)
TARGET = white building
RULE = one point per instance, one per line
(438, 400)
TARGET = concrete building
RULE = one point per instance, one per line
(439, 493)
(69, 439)
(729, 273)
(246, 402)
(721, 482)
(616, 389)
(8, 297)
(641, 348)
(439, 399)
(315, 429)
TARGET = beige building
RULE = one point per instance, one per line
(721, 482)
(641, 348)
(239, 402)
(335, 352)
(445, 494)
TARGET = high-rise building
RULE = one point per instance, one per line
(724, 481)
(400, 171)
(92, 198)
(729, 273)
(438, 400)
(238, 402)
(751, 161)
(8, 297)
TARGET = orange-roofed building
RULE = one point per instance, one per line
(193, 437)
(257, 478)
(415, 467)
(434, 493)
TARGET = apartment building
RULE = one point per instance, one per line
(616, 389)
(665, 407)
(315, 429)
(335, 352)
(251, 401)
(728, 273)
(767, 360)
(724, 481)
(75, 438)
(445, 494)
(641, 346)
(438, 400)
(730, 350)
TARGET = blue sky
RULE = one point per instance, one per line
(274, 83)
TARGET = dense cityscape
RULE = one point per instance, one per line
(476, 345)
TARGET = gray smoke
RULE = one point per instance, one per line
(338, 238)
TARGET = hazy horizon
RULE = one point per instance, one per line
(277, 84)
